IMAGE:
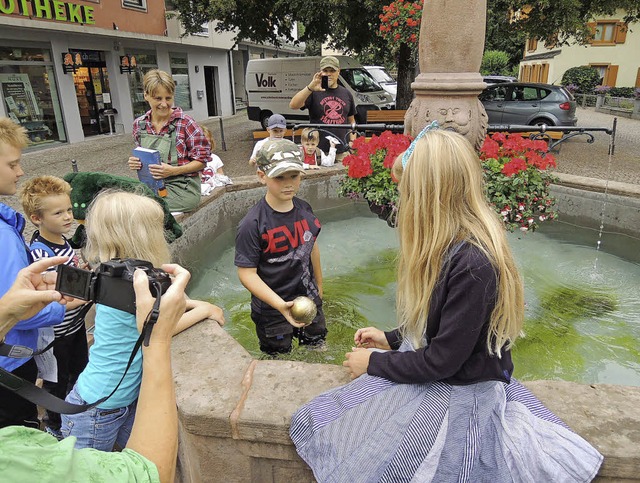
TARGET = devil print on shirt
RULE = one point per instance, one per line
(279, 246)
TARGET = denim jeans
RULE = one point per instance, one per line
(98, 428)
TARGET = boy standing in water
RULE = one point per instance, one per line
(276, 252)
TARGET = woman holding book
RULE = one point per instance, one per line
(184, 149)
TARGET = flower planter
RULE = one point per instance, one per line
(384, 212)
(368, 174)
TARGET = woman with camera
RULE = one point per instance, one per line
(150, 454)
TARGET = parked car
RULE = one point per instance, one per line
(530, 104)
(498, 79)
(381, 75)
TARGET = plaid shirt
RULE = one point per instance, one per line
(191, 144)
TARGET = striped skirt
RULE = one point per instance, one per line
(373, 430)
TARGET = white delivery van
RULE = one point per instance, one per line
(271, 83)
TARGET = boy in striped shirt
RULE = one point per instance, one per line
(46, 202)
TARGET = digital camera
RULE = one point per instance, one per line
(112, 283)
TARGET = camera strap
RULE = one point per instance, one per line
(42, 398)
(24, 352)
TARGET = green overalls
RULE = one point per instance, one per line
(183, 192)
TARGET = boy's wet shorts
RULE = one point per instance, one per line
(276, 334)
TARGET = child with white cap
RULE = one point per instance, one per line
(277, 127)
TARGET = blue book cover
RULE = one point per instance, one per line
(147, 157)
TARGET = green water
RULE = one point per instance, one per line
(583, 306)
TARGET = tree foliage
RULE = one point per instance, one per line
(353, 24)
(584, 78)
(495, 62)
(559, 22)
(500, 35)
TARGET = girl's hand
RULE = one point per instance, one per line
(134, 163)
(370, 337)
(357, 361)
(217, 314)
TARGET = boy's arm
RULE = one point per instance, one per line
(253, 283)
(317, 267)
(14, 260)
(198, 310)
(256, 148)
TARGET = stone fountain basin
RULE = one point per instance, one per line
(234, 410)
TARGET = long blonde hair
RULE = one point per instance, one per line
(125, 225)
(442, 202)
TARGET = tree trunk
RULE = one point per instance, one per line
(406, 75)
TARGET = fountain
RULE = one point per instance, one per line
(234, 410)
(447, 88)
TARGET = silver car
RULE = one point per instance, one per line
(530, 104)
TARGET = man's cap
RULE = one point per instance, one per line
(277, 156)
(330, 61)
(277, 120)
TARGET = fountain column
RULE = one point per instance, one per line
(450, 50)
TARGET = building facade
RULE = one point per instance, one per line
(613, 51)
(69, 70)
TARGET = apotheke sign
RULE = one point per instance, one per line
(49, 9)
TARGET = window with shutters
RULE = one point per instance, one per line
(608, 32)
(608, 74)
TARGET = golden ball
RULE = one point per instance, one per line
(304, 310)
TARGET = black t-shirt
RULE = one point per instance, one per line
(461, 306)
(333, 106)
(279, 245)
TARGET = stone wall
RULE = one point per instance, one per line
(234, 410)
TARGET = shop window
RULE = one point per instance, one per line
(146, 61)
(180, 73)
(29, 93)
(137, 4)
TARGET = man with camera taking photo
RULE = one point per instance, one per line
(332, 104)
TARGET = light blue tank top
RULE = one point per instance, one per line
(114, 337)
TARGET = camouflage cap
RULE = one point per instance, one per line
(277, 156)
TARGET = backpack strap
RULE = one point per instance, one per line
(38, 245)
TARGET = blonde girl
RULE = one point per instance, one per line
(437, 392)
(119, 225)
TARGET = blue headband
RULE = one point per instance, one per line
(407, 154)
